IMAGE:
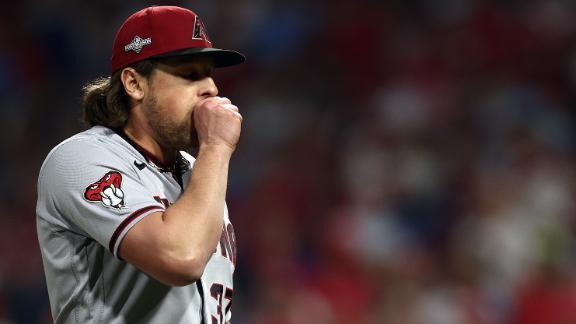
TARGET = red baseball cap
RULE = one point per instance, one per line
(166, 31)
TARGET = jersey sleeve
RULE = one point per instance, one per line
(88, 189)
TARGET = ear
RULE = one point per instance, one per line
(134, 83)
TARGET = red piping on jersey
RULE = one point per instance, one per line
(125, 223)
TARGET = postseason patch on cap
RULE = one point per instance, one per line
(137, 43)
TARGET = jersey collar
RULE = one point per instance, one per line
(180, 163)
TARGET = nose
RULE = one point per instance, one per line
(208, 88)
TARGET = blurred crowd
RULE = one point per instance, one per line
(401, 162)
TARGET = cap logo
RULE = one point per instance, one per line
(200, 30)
(137, 43)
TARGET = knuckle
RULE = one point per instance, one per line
(231, 107)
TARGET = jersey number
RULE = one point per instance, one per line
(217, 292)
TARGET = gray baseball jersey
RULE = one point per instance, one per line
(92, 189)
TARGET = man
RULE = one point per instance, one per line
(133, 229)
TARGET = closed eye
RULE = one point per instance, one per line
(194, 70)
(197, 75)
(194, 76)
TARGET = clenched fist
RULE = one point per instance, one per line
(217, 122)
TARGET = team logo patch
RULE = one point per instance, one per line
(137, 43)
(107, 190)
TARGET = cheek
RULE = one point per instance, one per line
(178, 104)
(176, 96)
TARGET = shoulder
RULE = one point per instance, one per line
(95, 146)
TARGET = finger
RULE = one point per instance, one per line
(224, 100)
(230, 107)
(213, 101)
(219, 100)
(239, 116)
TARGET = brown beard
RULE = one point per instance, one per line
(167, 132)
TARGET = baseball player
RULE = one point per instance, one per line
(133, 229)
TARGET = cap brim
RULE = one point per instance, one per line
(221, 57)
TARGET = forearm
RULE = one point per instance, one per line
(193, 224)
(174, 246)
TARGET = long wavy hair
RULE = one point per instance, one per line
(105, 102)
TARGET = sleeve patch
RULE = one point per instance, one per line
(107, 190)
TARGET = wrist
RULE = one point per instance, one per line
(221, 149)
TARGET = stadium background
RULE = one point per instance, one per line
(401, 161)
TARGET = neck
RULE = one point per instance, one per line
(153, 149)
